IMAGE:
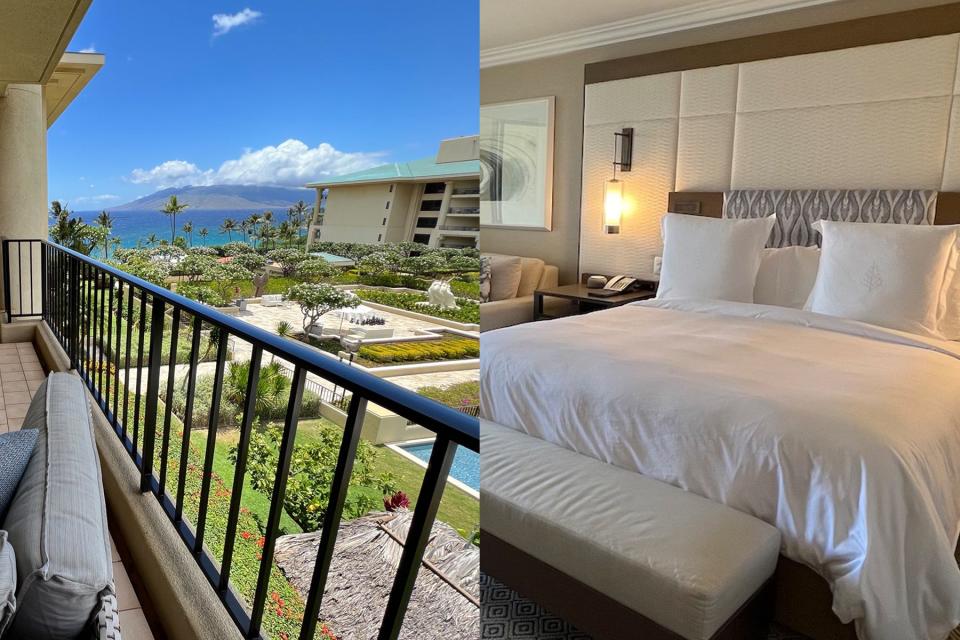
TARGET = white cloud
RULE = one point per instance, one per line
(225, 22)
(91, 49)
(290, 163)
(98, 199)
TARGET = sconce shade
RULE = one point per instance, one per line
(612, 205)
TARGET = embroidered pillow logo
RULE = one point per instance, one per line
(873, 279)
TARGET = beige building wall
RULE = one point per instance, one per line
(404, 196)
(562, 77)
(355, 213)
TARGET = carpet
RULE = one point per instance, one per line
(505, 615)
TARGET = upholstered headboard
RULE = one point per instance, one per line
(798, 210)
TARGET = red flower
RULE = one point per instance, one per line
(261, 542)
(397, 501)
(245, 535)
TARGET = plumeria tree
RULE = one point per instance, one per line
(287, 259)
(315, 270)
(315, 300)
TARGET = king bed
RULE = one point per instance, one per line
(843, 434)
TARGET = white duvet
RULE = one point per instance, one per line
(844, 436)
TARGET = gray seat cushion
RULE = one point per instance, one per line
(57, 522)
(683, 561)
(15, 450)
(8, 582)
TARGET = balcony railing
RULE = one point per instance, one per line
(95, 310)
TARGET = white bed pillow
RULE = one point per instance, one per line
(948, 321)
(891, 275)
(786, 276)
(711, 258)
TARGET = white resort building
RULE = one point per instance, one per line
(435, 201)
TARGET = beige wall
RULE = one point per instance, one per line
(562, 77)
(355, 213)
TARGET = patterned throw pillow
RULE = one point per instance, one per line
(15, 450)
(484, 279)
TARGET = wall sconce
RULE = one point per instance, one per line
(613, 188)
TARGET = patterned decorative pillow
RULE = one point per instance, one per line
(484, 279)
(15, 450)
(8, 582)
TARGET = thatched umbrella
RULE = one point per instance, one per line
(444, 603)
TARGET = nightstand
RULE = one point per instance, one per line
(579, 294)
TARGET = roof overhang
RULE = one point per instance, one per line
(353, 183)
(34, 35)
(69, 78)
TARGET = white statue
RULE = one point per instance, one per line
(440, 295)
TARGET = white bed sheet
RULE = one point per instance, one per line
(843, 435)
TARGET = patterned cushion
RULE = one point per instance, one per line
(8, 582)
(484, 279)
(798, 210)
(57, 522)
(15, 450)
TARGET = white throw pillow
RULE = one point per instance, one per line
(711, 258)
(786, 276)
(891, 275)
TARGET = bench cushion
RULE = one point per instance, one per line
(682, 561)
(57, 522)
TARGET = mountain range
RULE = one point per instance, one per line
(226, 197)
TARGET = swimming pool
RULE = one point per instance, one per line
(466, 463)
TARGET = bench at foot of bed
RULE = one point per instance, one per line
(618, 554)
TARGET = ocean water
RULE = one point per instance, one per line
(134, 226)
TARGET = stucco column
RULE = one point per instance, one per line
(23, 168)
(23, 162)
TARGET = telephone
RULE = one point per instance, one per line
(622, 284)
(617, 285)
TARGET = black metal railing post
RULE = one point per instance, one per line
(74, 312)
(6, 279)
(331, 518)
(417, 537)
(152, 393)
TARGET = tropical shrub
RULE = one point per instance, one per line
(203, 293)
(447, 348)
(468, 311)
(311, 473)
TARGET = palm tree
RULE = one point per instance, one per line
(152, 240)
(228, 226)
(105, 221)
(252, 222)
(284, 330)
(272, 387)
(204, 232)
(172, 208)
(245, 229)
(299, 215)
(188, 229)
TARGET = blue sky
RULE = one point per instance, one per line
(280, 92)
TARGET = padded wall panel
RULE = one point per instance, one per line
(895, 71)
(644, 98)
(883, 145)
(645, 194)
(704, 148)
(951, 166)
(708, 91)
